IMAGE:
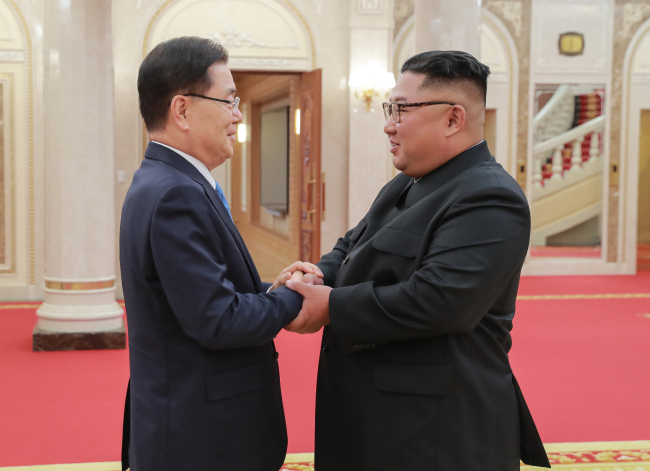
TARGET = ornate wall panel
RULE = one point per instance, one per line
(16, 151)
(259, 34)
(635, 98)
(591, 18)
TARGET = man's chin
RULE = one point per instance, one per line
(399, 164)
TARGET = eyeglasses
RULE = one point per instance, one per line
(233, 104)
(393, 109)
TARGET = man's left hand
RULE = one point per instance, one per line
(315, 312)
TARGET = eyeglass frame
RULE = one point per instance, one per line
(388, 107)
(234, 104)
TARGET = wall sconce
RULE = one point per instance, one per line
(371, 81)
(241, 132)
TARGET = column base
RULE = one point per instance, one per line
(45, 341)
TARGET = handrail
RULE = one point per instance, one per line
(557, 98)
(571, 135)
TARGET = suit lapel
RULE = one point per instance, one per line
(164, 154)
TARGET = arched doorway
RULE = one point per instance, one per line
(272, 55)
(18, 211)
(635, 153)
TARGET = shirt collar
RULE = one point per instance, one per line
(200, 166)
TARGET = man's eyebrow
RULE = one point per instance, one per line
(394, 99)
(232, 91)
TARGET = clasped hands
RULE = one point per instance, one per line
(307, 280)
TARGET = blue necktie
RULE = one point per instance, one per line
(223, 198)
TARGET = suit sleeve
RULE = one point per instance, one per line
(331, 262)
(474, 253)
(192, 266)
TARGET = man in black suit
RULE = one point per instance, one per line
(204, 389)
(419, 297)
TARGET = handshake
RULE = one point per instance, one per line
(307, 280)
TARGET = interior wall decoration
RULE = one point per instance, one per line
(17, 186)
(571, 44)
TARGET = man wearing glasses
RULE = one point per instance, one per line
(418, 299)
(205, 389)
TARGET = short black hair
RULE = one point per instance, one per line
(175, 67)
(447, 68)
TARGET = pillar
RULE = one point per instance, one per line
(448, 25)
(80, 310)
(370, 163)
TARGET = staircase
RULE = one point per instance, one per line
(567, 169)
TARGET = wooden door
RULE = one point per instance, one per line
(311, 190)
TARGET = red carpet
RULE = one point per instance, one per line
(57, 407)
(583, 366)
(582, 363)
(66, 407)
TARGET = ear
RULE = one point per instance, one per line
(178, 111)
(456, 117)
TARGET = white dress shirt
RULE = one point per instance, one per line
(200, 166)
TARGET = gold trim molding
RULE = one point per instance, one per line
(626, 140)
(79, 285)
(20, 306)
(30, 138)
(10, 133)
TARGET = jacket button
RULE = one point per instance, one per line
(325, 349)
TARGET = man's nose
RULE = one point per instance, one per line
(389, 126)
(237, 117)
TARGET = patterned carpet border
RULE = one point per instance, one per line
(591, 456)
(598, 456)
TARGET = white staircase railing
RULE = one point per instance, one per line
(556, 144)
(556, 116)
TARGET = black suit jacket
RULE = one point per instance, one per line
(204, 390)
(414, 372)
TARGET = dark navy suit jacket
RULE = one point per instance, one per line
(204, 388)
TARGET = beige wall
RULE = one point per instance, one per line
(644, 179)
(329, 28)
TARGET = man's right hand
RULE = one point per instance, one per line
(296, 271)
(315, 308)
(310, 279)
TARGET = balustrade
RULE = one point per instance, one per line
(555, 147)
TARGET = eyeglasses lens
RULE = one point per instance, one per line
(391, 109)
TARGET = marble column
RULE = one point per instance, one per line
(80, 310)
(448, 25)
(370, 164)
